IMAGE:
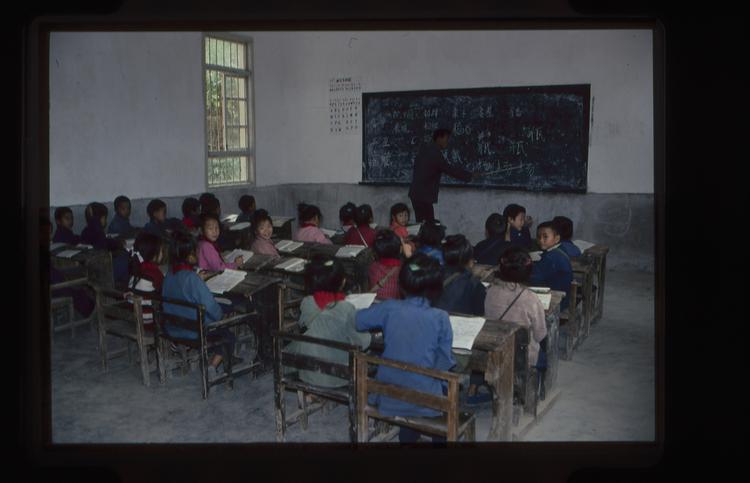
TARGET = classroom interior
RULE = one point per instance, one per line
(127, 117)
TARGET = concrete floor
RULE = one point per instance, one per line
(608, 391)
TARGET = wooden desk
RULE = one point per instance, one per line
(96, 263)
(356, 268)
(599, 255)
(583, 272)
(242, 238)
(283, 230)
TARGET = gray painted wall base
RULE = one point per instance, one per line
(624, 222)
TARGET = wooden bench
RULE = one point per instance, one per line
(599, 255)
(64, 304)
(452, 425)
(290, 381)
(583, 272)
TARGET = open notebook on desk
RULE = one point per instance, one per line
(288, 245)
(583, 245)
(278, 221)
(465, 330)
(225, 281)
(349, 251)
(361, 300)
(293, 264)
(245, 254)
(327, 232)
(239, 226)
(68, 253)
(413, 229)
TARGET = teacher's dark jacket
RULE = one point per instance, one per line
(429, 165)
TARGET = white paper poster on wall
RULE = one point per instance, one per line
(344, 103)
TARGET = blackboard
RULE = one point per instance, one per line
(526, 138)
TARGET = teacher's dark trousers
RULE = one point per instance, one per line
(423, 211)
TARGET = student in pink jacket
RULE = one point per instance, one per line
(263, 229)
(309, 231)
(209, 255)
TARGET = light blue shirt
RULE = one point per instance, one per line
(186, 285)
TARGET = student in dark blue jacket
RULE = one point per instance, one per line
(462, 291)
(517, 225)
(246, 204)
(120, 223)
(430, 238)
(489, 250)
(565, 229)
(93, 234)
(157, 214)
(64, 222)
(554, 269)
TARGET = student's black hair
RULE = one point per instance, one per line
(363, 215)
(211, 205)
(204, 196)
(308, 212)
(512, 210)
(457, 250)
(61, 211)
(154, 206)
(324, 274)
(515, 265)
(421, 276)
(120, 200)
(438, 133)
(548, 224)
(259, 217)
(94, 211)
(245, 202)
(149, 246)
(431, 233)
(564, 227)
(183, 245)
(399, 208)
(495, 225)
(346, 213)
(387, 244)
(190, 206)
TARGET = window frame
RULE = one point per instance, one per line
(250, 151)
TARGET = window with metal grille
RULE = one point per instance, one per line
(230, 143)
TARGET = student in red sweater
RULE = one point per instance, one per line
(383, 272)
(362, 234)
(399, 219)
(145, 275)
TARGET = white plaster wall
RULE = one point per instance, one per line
(126, 113)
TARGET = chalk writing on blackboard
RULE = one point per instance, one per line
(344, 104)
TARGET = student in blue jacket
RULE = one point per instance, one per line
(430, 238)
(415, 333)
(554, 269)
(565, 229)
(120, 223)
(462, 291)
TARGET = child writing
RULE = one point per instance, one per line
(64, 222)
(145, 275)
(489, 250)
(383, 272)
(462, 291)
(362, 234)
(415, 333)
(183, 283)
(190, 211)
(246, 204)
(517, 225)
(263, 230)
(554, 269)
(310, 218)
(157, 214)
(120, 223)
(565, 229)
(399, 219)
(326, 315)
(430, 238)
(93, 234)
(209, 253)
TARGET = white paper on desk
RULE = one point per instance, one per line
(413, 229)
(68, 253)
(583, 245)
(84, 246)
(231, 218)
(486, 284)
(278, 221)
(225, 281)
(292, 265)
(546, 298)
(129, 242)
(288, 245)
(239, 226)
(535, 256)
(361, 300)
(55, 246)
(327, 232)
(349, 251)
(465, 330)
(540, 289)
(245, 254)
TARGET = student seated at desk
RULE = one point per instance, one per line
(263, 230)
(120, 223)
(383, 272)
(93, 234)
(310, 218)
(565, 229)
(191, 208)
(462, 291)
(157, 214)
(415, 333)
(64, 222)
(325, 314)
(246, 204)
(210, 205)
(554, 269)
(517, 225)
(183, 283)
(209, 253)
(399, 219)
(346, 216)
(430, 239)
(145, 275)
(489, 250)
(362, 234)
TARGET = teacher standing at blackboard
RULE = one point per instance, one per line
(429, 166)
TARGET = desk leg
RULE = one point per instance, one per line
(499, 375)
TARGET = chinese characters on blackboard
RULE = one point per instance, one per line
(344, 104)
